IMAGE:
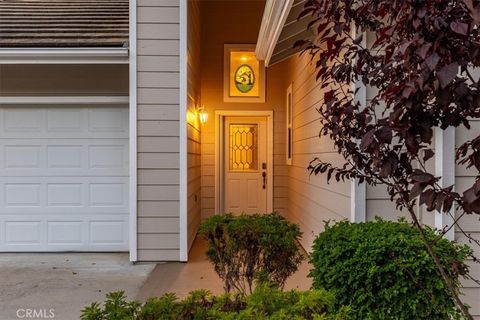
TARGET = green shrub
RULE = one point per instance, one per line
(383, 271)
(265, 303)
(246, 248)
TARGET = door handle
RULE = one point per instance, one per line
(264, 176)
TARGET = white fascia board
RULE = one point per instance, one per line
(64, 56)
(274, 17)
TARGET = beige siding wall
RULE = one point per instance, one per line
(54, 80)
(464, 178)
(158, 49)
(378, 202)
(220, 25)
(193, 124)
(311, 200)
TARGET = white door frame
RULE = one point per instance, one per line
(219, 149)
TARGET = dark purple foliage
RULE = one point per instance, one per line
(420, 63)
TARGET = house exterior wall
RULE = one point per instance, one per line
(464, 178)
(311, 200)
(220, 25)
(470, 223)
(193, 123)
(378, 202)
(158, 143)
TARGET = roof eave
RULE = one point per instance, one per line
(274, 17)
(64, 55)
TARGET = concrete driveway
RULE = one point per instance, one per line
(64, 283)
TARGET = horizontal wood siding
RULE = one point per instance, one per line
(311, 200)
(158, 129)
(464, 178)
(194, 147)
(378, 201)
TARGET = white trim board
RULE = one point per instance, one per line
(274, 17)
(219, 118)
(358, 192)
(183, 132)
(445, 168)
(64, 100)
(133, 130)
(65, 56)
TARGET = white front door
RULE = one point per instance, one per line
(64, 178)
(245, 165)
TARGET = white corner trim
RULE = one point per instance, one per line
(358, 210)
(133, 131)
(358, 192)
(274, 17)
(64, 100)
(64, 56)
(183, 131)
(445, 168)
(219, 123)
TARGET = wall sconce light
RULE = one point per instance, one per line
(203, 115)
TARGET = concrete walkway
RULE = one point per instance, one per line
(65, 283)
(198, 273)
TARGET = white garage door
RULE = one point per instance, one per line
(63, 178)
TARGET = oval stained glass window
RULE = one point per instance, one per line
(244, 78)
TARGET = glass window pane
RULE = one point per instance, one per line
(243, 147)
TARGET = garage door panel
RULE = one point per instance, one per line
(21, 120)
(64, 178)
(72, 121)
(64, 233)
(41, 195)
(63, 157)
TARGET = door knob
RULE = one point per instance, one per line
(264, 176)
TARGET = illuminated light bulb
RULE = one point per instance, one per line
(203, 115)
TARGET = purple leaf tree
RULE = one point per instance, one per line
(421, 65)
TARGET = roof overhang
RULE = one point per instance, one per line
(280, 29)
(274, 17)
(64, 56)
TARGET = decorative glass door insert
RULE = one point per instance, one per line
(243, 147)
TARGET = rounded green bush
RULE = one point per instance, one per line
(382, 270)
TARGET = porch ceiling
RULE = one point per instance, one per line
(294, 29)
